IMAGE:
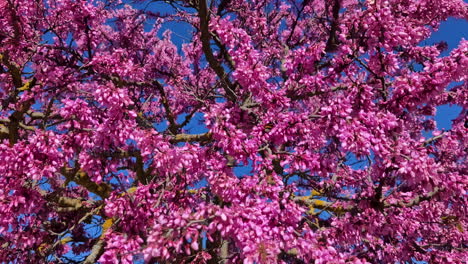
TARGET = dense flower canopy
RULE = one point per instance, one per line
(274, 131)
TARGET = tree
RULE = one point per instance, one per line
(278, 131)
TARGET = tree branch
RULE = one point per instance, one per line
(293, 96)
(96, 252)
(170, 116)
(214, 64)
(432, 139)
(319, 204)
(81, 178)
(205, 137)
(417, 200)
(13, 69)
(98, 247)
(332, 42)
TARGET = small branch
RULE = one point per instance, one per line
(167, 108)
(332, 42)
(320, 204)
(205, 137)
(164, 100)
(291, 93)
(69, 204)
(417, 200)
(432, 139)
(188, 118)
(139, 168)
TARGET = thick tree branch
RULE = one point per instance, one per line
(213, 62)
(13, 69)
(319, 204)
(332, 42)
(69, 204)
(81, 178)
